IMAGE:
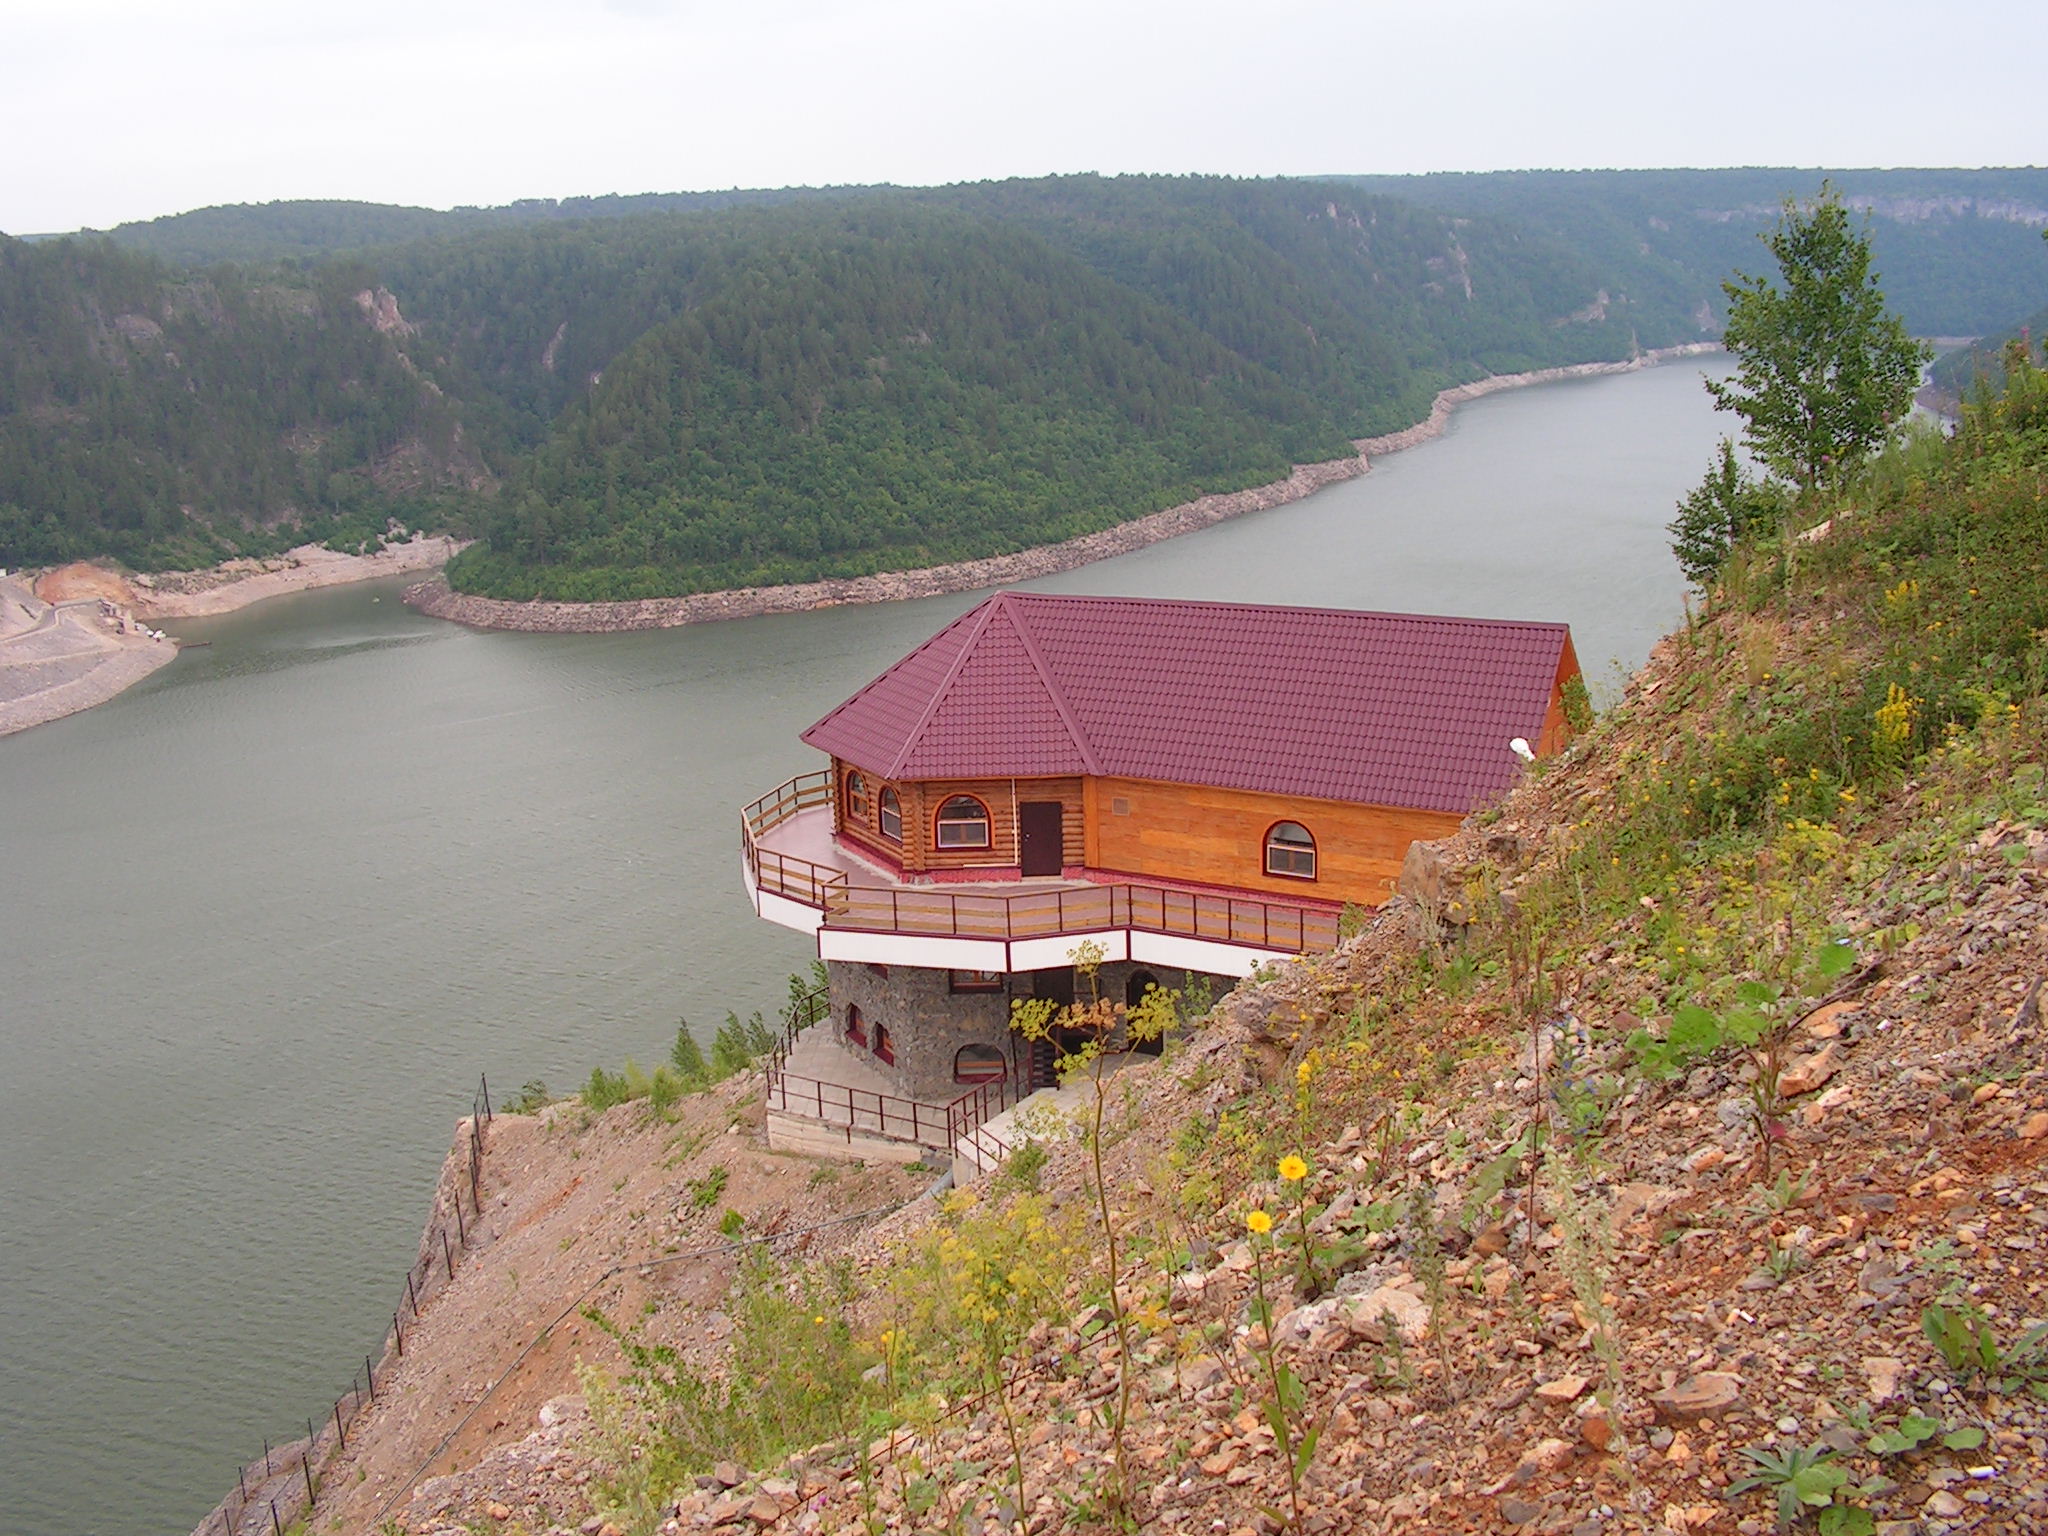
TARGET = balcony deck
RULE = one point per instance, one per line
(799, 875)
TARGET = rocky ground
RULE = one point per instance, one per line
(625, 1212)
(55, 661)
(1607, 1337)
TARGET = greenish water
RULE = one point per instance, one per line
(270, 914)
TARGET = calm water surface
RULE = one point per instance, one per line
(268, 915)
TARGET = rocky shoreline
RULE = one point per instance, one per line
(59, 655)
(539, 616)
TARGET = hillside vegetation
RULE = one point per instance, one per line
(1959, 251)
(173, 418)
(632, 397)
(1667, 1158)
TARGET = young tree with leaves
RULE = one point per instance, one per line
(1729, 505)
(1825, 372)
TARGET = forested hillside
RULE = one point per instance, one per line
(1982, 363)
(311, 227)
(167, 418)
(900, 379)
(630, 397)
(1959, 251)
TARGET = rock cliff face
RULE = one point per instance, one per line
(380, 308)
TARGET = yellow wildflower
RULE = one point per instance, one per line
(1259, 1222)
(1293, 1169)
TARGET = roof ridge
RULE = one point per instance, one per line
(1052, 687)
(1490, 621)
(967, 644)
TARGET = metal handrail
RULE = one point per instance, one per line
(936, 913)
(895, 1119)
(979, 1104)
(1037, 914)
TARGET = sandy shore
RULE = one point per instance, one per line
(238, 583)
(435, 597)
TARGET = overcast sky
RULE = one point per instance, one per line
(125, 109)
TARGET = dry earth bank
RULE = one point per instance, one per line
(1581, 1342)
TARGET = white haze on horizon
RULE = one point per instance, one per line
(129, 109)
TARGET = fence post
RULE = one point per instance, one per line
(307, 1468)
(276, 1529)
(340, 1433)
(484, 1078)
(412, 1295)
(397, 1336)
(447, 1257)
(461, 1231)
(266, 1458)
(370, 1375)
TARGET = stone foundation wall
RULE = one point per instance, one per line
(928, 1022)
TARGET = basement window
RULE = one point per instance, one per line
(963, 823)
(1291, 851)
(979, 1064)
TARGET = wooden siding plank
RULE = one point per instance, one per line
(1209, 836)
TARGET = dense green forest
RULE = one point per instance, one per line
(310, 227)
(173, 418)
(1981, 364)
(1959, 252)
(634, 396)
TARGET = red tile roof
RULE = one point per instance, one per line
(1378, 708)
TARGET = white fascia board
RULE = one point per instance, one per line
(790, 914)
(1200, 954)
(1054, 953)
(911, 949)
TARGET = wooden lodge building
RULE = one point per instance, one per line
(1195, 787)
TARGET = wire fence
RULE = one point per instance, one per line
(790, 1239)
(274, 1490)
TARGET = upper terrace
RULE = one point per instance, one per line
(798, 874)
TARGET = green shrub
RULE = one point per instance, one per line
(687, 1056)
(605, 1089)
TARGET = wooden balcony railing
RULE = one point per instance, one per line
(935, 912)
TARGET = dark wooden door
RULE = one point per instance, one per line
(1040, 837)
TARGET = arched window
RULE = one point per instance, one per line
(856, 798)
(856, 1026)
(891, 814)
(979, 1064)
(1290, 850)
(963, 823)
